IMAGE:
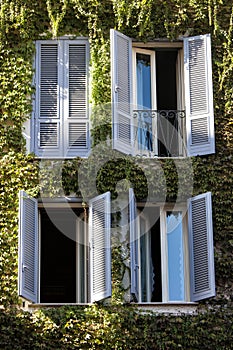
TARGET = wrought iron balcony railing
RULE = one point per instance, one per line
(159, 133)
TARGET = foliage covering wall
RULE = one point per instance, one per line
(21, 23)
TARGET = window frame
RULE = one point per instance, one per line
(151, 51)
(152, 55)
(192, 258)
(199, 134)
(60, 207)
(104, 225)
(164, 252)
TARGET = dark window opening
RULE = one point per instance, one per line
(58, 255)
(156, 262)
(150, 264)
(166, 82)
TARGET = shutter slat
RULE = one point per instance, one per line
(77, 81)
(76, 125)
(201, 247)
(28, 247)
(123, 73)
(100, 247)
(78, 135)
(48, 81)
(49, 135)
(199, 95)
(198, 76)
(121, 76)
(200, 131)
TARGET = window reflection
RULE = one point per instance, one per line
(175, 256)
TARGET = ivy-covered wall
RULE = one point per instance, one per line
(21, 23)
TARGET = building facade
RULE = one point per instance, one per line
(116, 155)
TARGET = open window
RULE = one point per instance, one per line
(64, 251)
(60, 120)
(162, 97)
(172, 251)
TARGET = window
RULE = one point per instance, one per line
(62, 259)
(171, 252)
(60, 123)
(162, 97)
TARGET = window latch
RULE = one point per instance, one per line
(117, 88)
(24, 267)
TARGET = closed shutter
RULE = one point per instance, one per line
(121, 75)
(199, 95)
(61, 113)
(47, 113)
(28, 247)
(134, 245)
(100, 251)
(201, 252)
(75, 103)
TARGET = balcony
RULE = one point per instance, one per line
(159, 133)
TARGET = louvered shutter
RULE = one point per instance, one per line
(75, 98)
(199, 95)
(134, 245)
(28, 247)
(201, 252)
(100, 251)
(48, 137)
(121, 79)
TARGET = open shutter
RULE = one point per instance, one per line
(76, 101)
(121, 75)
(100, 253)
(28, 247)
(201, 252)
(48, 125)
(134, 245)
(199, 95)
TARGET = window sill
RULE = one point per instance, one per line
(165, 308)
(169, 308)
(28, 306)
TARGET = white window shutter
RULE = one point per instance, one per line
(121, 79)
(75, 98)
(201, 250)
(199, 95)
(100, 249)
(48, 127)
(28, 247)
(61, 103)
(134, 245)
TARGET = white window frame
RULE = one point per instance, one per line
(164, 253)
(34, 229)
(180, 93)
(148, 246)
(86, 268)
(152, 55)
(61, 206)
(199, 131)
(194, 289)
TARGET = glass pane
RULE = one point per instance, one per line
(143, 81)
(143, 72)
(175, 256)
